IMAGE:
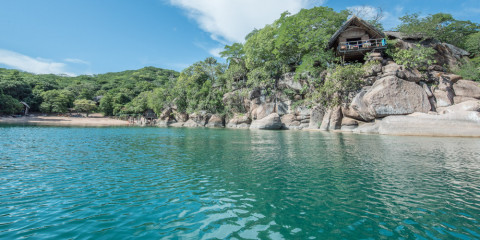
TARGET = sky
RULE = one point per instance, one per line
(78, 37)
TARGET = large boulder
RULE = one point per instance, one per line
(411, 75)
(191, 123)
(458, 124)
(472, 105)
(394, 96)
(270, 122)
(391, 69)
(332, 120)
(316, 117)
(288, 81)
(216, 121)
(467, 88)
(443, 98)
(200, 118)
(290, 121)
(358, 109)
(239, 121)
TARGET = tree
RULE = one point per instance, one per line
(440, 26)
(473, 44)
(84, 105)
(9, 105)
(106, 105)
(15, 86)
(56, 101)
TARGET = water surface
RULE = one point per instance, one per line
(151, 183)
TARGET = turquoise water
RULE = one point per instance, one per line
(163, 183)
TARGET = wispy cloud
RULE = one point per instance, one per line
(76, 61)
(32, 65)
(216, 52)
(231, 20)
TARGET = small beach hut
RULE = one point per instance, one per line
(355, 38)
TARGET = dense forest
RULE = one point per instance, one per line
(293, 43)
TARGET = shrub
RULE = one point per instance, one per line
(9, 105)
(341, 81)
(418, 57)
(469, 70)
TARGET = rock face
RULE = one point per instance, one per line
(459, 124)
(239, 121)
(332, 120)
(316, 117)
(216, 121)
(270, 122)
(393, 96)
(467, 88)
(471, 105)
(388, 96)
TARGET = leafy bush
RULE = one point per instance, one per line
(84, 105)
(469, 70)
(9, 105)
(440, 26)
(340, 81)
(56, 101)
(473, 44)
(418, 57)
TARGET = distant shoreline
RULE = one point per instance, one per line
(64, 121)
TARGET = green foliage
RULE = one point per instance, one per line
(291, 43)
(106, 105)
(440, 26)
(56, 101)
(84, 105)
(200, 87)
(469, 70)
(9, 105)
(418, 57)
(14, 85)
(473, 44)
(340, 81)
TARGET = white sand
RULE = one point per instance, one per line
(64, 121)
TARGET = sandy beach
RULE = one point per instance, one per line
(93, 121)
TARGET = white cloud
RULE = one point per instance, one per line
(231, 20)
(32, 65)
(216, 52)
(77, 61)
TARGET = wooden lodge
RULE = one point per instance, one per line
(355, 38)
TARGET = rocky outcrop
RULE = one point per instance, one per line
(332, 120)
(270, 122)
(467, 88)
(471, 105)
(388, 96)
(316, 117)
(459, 124)
(239, 121)
(216, 121)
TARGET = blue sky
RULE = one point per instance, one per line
(96, 36)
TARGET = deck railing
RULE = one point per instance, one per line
(362, 45)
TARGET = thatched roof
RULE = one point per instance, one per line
(356, 21)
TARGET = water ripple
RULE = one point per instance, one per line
(150, 183)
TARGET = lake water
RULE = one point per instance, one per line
(165, 183)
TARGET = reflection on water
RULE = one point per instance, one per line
(203, 183)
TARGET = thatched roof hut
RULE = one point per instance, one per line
(355, 38)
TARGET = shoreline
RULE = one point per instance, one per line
(65, 121)
(97, 121)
